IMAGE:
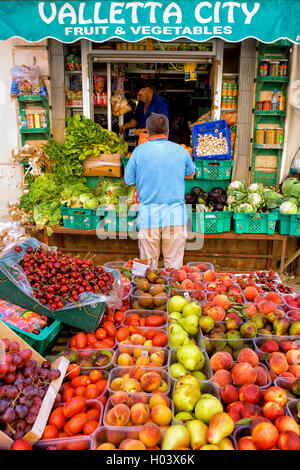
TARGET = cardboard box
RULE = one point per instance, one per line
(60, 363)
(104, 165)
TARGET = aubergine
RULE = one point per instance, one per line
(196, 191)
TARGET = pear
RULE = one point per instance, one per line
(206, 407)
(220, 425)
(183, 416)
(177, 303)
(186, 397)
(209, 447)
(178, 339)
(225, 444)
(198, 432)
(200, 364)
(187, 379)
(192, 308)
(175, 316)
(199, 375)
(206, 323)
(209, 348)
(281, 325)
(175, 328)
(294, 329)
(190, 324)
(176, 436)
(189, 355)
(177, 370)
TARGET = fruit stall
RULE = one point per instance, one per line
(177, 359)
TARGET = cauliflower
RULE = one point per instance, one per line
(245, 208)
(255, 188)
(255, 199)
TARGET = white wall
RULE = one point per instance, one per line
(10, 174)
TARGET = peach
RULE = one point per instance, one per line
(287, 423)
(235, 407)
(248, 355)
(139, 413)
(217, 313)
(251, 310)
(250, 293)
(251, 410)
(250, 393)
(187, 268)
(117, 384)
(221, 300)
(265, 436)
(246, 443)
(137, 352)
(278, 362)
(157, 356)
(148, 343)
(209, 275)
(142, 361)
(150, 434)
(132, 444)
(119, 415)
(265, 307)
(155, 364)
(261, 376)
(180, 275)
(193, 276)
(187, 284)
(274, 297)
(115, 436)
(257, 420)
(229, 394)
(295, 370)
(202, 267)
(131, 386)
(276, 394)
(221, 360)
(243, 373)
(106, 446)
(125, 360)
(272, 410)
(125, 375)
(119, 397)
(137, 398)
(150, 381)
(161, 415)
(222, 377)
(136, 372)
(258, 298)
(158, 398)
(288, 440)
(293, 356)
(137, 339)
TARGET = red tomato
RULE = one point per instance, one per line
(81, 380)
(122, 333)
(119, 316)
(57, 418)
(150, 334)
(101, 345)
(91, 338)
(109, 341)
(73, 371)
(143, 322)
(78, 445)
(74, 406)
(90, 427)
(72, 342)
(50, 432)
(133, 318)
(93, 414)
(77, 422)
(161, 339)
(68, 394)
(110, 328)
(101, 385)
(95, 376)
(102, 400)
(101, 333)
(80, 391)
(133, 329)
(80, 341)
(92, 392)
(154, 320)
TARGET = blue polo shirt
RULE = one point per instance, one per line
(158, 168)
(158, 105)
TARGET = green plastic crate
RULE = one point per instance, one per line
(211, 222)
(124, 161)
(213, 169)
(267, 179)
(77, 218)
(207, 185)
(115, 222)
(289, 224)
(255, 222)
(40, 343)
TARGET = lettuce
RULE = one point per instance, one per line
(46, 213)
(288, 207)
(287, 186)
(46, 187)
(272, 199)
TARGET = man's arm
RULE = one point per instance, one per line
(190, 168)
(130, 170)
(128, 125)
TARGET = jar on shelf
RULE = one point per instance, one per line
(259, 105)
(230, 102)
(274, 69)
(270, 137)
(235, 102)
(235, 89)
(224, 103)
(267, 105)
(283, 66)
(279, 136)
(225, 89)
(260, 136)
(264, 67)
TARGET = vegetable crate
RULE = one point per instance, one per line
(124, 161)
(117, 223)
(251, 222)
(207, 185)
(213, 128)
(82, 219)
(289, 224)
(211, 222)
(42, 342)
(213, 169)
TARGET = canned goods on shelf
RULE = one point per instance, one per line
(270, 137)
(279, 136)
(264, 67)
(267, 105)
(260, 136)
(274, 69)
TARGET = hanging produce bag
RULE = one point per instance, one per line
(119, 103)
(27, 81)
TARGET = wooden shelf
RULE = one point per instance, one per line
(272, 112)
(37, 130)
(272, 78)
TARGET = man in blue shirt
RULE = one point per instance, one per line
(158, 168)
(149, 103)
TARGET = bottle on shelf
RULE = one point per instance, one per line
(274, 100)
(43, 120)
(22, 120)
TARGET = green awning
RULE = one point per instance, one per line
(164, 20)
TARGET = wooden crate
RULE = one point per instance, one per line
(104, 165)
(265, 162)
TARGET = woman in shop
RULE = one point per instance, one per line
(148, 103)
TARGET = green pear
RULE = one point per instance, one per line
(175, 328)
(183, 416)
(186, 397)
(199, 375)
(200, 364)
(192, 308)
(176, 436)
(179, 339)
(206, 407)
(189, 355)
(187, 379)
(221, 425)
(198, 432)
(175, 316)
(177, 370)
(190, 324)
(206, 324)
(208, 346)
(176, 303)
(225, 444)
